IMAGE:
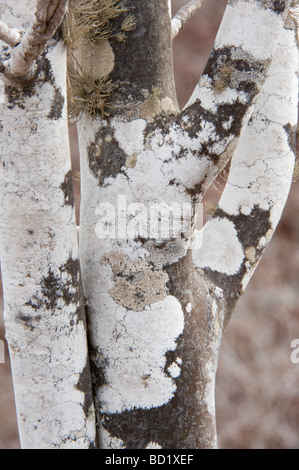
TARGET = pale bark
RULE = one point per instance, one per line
(183, 15)
(235, 237)
(49, 15)
(43, 301)
(9, 36)
(155, 319)
(156, 307)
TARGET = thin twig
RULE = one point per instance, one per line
(183, 15)
(9, 36)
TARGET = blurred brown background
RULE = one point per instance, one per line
(257, 393)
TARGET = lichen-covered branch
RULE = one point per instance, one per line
(183, 15)
(43, 300)
(49, 15)
(221, 103)
(235, 238)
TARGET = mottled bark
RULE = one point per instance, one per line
(43, 301)
(157, 307)
(235, 237)
(157, 297)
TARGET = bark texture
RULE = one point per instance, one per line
(43, 300)
(158, 297)
(157, 307)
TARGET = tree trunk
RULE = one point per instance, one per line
(43, 301)
(157, 307)
(158, 289)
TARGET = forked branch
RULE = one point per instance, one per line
(49, 15)
(183, 15)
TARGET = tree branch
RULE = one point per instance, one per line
(251, 205)
(49, 15)
(9, 36)
(209, 126)
(183, 15)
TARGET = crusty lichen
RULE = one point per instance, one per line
(131, 160)
(136, 283)
(250, 254)
(154, 105)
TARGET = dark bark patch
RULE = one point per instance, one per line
(105, 157)
(67, 188)
(279, 6)
(250, 229)
(235, 67)
(51, 289)
(17, 92)
(84, 385)
(72, 291)
(150, 65)
(198, 116)
(30, 321)
(57, 105)
(231, 285)
(291, 132)
(56, 286)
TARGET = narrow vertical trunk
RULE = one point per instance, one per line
(43, 301)
(153, 344)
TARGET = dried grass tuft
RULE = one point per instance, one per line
(91, 20)
(86, 95)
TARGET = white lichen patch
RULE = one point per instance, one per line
(134, 374)
(205, 93)
(110, 442)
(174, 370)
(153, 445)
(221, 249)
(258, 183)
(189, 308)
(263, 23)
(129, 135)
